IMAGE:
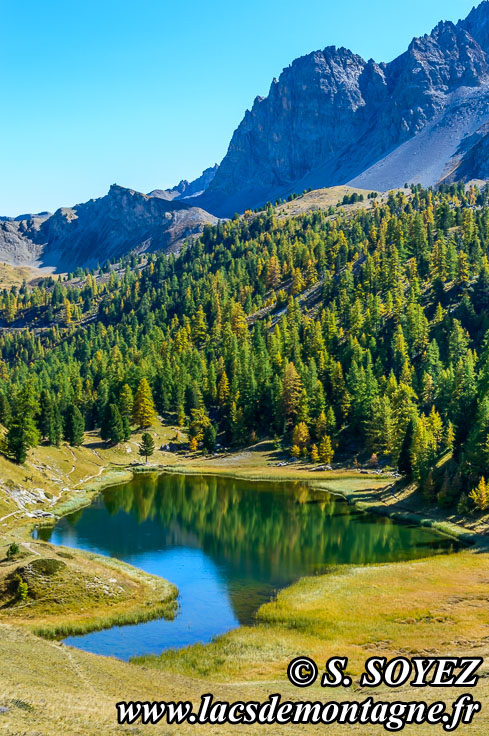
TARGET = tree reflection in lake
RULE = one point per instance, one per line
(228, 544)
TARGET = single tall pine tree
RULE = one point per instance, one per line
(23, 433)
(147, 446)
(143, 412)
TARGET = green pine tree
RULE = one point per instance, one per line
(112, 429)
(74, 426)
(147, 446)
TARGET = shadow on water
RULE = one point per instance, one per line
(228, 545)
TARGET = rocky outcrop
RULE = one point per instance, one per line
(19, 239)
(332, 116)
(95, 231)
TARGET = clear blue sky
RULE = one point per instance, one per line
(146, 92)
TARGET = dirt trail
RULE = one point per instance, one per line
(75, 665)
(28, 546)
(19, 511)
(90, 477)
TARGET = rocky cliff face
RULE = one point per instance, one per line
(332, 117)
(91, 233)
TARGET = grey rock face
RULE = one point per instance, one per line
(18, 239)
(332, 115)
(474, 157)
(97, 230)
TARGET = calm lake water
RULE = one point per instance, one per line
(228, 545)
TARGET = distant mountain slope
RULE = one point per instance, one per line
(186, 189)
(39, 215)
(92, 232)
(333, 118)
(436, 152)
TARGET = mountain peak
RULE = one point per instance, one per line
(477, 24)
(331, 116)
(118, 190)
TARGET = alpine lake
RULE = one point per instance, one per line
(229, 545)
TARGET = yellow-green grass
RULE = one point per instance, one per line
(437, 606)
(16, 275)
(70, 591)
(323, 199)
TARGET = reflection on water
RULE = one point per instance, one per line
(228, 545)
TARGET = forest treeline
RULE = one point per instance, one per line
(345, 334)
